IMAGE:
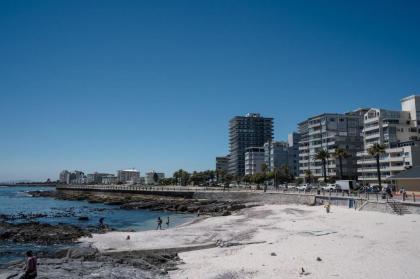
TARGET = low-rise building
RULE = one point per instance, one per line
(96, 177)
(109, 179)
(128, 176)
(408, 180)
(153, 178)
(254, 159)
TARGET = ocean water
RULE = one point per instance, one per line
(15, 200)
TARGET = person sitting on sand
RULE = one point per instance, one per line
(30, 267)
(159, 223)
(167, 222)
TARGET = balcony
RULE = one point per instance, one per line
(372, 136)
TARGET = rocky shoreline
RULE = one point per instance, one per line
(87, 262)
(149, 202)
(41, 233)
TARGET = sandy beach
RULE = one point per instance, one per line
(277, 241)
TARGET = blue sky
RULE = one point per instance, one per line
(104, 85)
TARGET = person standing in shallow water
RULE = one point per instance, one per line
(101, 222)
(167, 222)
(159, 223)
(30, 267)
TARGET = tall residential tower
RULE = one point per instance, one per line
(247, 131)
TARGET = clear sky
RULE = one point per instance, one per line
(105, 85)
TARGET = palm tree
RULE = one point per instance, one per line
(308, 175)
(323, 155)
(340, 153)
(376, 150)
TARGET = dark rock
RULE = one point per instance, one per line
(40, 233)
(226, 213)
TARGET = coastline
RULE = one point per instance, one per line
(265, 241)
(270, 241)
(152, 264)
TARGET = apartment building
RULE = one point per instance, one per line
(399, 132)
(254, 159)
(293, 153)
(65, 177)
(153, 178)
(222, 164)
(247, 131)
(330, 131)
(128, 175)
(276, 154)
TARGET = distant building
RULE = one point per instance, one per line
(65, 177)
(151, 176)
(276, 154)
(247, 131)
(293, 153)
(96, 177)
(142, 180)
(77, 177)
(254, 159)
(128, 175)
(222, 164)
(109, 179)
(330, 131)
(399, 131)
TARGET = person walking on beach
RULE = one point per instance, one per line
(30, 267)
(159, 223)
(167, 222)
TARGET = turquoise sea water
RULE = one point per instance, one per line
(15, 200)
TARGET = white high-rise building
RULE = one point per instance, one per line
(399, 132)
(330, 131)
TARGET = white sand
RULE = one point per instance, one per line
(351, 244)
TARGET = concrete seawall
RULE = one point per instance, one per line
(270, 198)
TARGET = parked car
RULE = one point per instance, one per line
(371, 189)
(304, 187)
(330, 187)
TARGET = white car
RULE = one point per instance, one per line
(304, 187)
(329, 187)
